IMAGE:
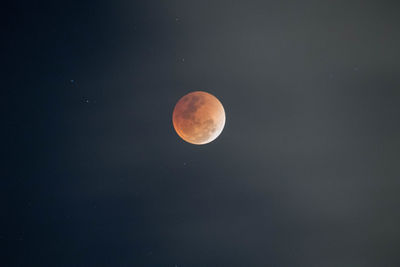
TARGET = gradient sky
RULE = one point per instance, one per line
(305, 173)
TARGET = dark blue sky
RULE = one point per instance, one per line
(305, 173)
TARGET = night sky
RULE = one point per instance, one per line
(305, 173)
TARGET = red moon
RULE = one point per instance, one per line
(198, 118)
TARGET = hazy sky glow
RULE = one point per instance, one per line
(305, 172)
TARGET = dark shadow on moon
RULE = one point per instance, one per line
(195, 102)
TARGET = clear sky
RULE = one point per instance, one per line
(305, 173)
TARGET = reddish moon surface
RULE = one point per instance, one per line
(198, 118)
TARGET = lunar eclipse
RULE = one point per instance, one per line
(198, 118)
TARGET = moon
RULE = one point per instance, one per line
(198, 118)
